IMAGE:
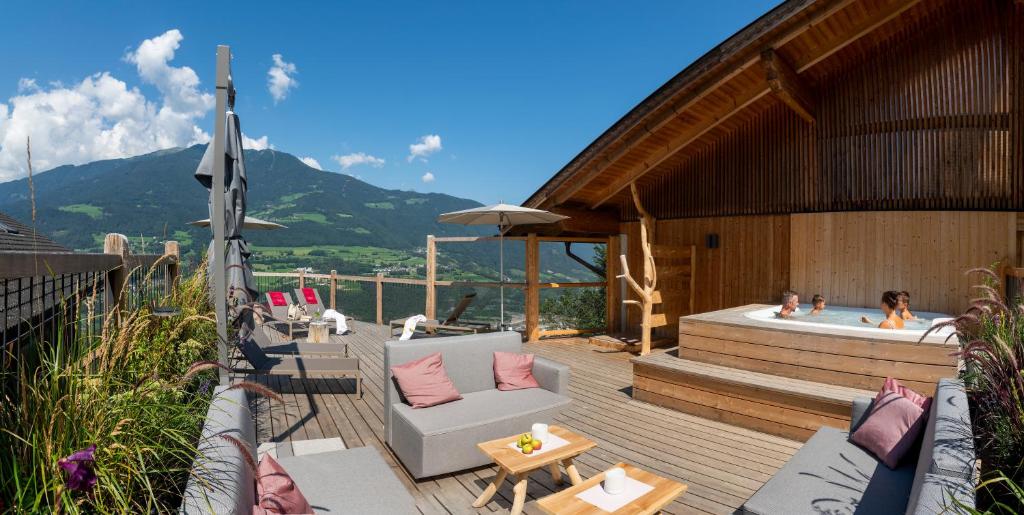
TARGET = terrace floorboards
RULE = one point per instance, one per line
(722, 464)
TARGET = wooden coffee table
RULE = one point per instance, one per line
(514, 462)
(566, 502)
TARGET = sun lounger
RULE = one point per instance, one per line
(450, 324)
(277, 305)
(294, 347)
(301, 366)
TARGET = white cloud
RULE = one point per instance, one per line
(312, 163)
(428, 177)
(27, 85)
(101, 117)
(358, 158)
(427, 145)
(261, 143)
(279, 78)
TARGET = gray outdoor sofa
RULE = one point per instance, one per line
(443, 438)
(829, 474)
(352, 481)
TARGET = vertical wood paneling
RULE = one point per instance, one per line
(851, 258)
(928, 119)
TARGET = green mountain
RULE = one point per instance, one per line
(334, 221)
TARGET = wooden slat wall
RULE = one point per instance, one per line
(851, 258)
(929, 119)
(751, 263)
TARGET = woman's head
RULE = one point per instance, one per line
(904, 300)
(818, 301)
(889, 300)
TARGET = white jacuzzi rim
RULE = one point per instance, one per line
(768, 315)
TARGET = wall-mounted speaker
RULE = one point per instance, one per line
(711, 241)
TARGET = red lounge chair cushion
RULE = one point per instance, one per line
(275, 490)
(424, 382)
(277, 298)
(897, 420)
(310, 295)
(514, 371)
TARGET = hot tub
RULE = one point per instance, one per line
(848, 319)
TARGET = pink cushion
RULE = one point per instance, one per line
(310, 296)
(891, 429)
(424, 382)
(277, 298)
(275, 490)
(514, 371)
(893, 385)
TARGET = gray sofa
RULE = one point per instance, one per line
(442, 439)
(351, 481)
(829, 474)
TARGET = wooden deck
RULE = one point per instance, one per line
(722, 464)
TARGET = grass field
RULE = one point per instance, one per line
(94, 212)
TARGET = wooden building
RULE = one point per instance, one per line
(841, 147)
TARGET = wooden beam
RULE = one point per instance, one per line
(580, 221)
(380, 298)
(787, 86)
(431, 272)
(670, 110)
(678, 143)
(532, 288)
(334, 289)
(173, 251)
(611, 290)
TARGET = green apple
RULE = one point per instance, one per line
(527, 449)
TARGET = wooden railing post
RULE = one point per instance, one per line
(334, 289)
(431, 271)
(171, 248)
(380, 298)
(115, 244)
(532, 288)
(302, 278)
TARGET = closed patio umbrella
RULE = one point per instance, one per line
(239, 279)
(504, 216)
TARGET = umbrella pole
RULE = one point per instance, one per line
(501, 274)
(217, 215)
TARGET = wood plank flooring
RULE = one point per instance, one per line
(722, 464)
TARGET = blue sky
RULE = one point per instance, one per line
(513, 91)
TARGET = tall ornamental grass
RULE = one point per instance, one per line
(109, 423)
(991, 333)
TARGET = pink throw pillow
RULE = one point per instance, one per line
(310, 296)
(514, 371)
(424, 382)
(275, 490)
(893, 385)
(277, 299)
(891, 429)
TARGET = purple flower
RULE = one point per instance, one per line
(204, 387)
(79, 468)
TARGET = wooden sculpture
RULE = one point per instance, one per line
(647, 293)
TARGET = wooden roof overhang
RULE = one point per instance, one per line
(774, 59)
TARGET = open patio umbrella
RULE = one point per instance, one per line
(504, 216)
(251, 222)
(239, 280)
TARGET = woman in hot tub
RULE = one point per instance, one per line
(892, 320)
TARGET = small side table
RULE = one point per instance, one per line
(513, 462)
(319, 332)
(664, 492)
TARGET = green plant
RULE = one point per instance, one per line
(133, 391)
(577, 308)
(991, 333)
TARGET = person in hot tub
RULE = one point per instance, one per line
(892, 320)
(903, 306)
(817, 304)
(790, 303)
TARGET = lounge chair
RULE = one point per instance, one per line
(450, 324)
(301, 366)
(277, 305)
(309, 299)
(294, 347)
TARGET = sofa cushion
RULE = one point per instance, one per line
(892, 428)
(443, 438)
(467, 358)
(936, 494)
(947, 448)
(276, 491)
(514, 371)
(351, 482)
(424, 382)
(829, 474)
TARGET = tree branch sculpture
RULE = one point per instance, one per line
(650, 276)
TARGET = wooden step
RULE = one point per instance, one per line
(791, 408)
(627, 343)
